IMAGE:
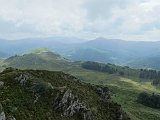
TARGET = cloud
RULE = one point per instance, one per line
(125, 19)
(47, 17)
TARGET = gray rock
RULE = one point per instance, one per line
(22, 79)
(37, 96)
(50, 86)
(2, 116)
(68, 104)
(1, 83)
(104, 93)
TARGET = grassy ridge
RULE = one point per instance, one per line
(125, 92)
(125, 88)
(18, 100)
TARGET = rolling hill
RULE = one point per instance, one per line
(101, 50)
(125, 89)
(37, 59)
(40, 95)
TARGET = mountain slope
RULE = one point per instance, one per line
(125, 88)
(115, 51)
(91, 54)
(100, 49)
(148, 63)
(20, 46)
(40, 95)
(37, 59)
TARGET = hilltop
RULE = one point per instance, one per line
(125, 83)
(37, 59)
(39, 95)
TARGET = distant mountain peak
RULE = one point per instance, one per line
(107, 39)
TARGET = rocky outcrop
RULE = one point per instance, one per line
(1, 83)
(22, 79)
(104, 93)
(68, 104)
(115, 110)
(2, 114)
(37, 96)
(11, 118)
(117, 113)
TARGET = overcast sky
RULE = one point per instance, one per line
(123, 19)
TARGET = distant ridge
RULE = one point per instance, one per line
(104, 50)
(40, 58)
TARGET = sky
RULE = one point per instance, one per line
(137, 20)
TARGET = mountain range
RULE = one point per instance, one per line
(123, 82)
(130, 53)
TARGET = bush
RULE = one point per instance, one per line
(156, 82)
(99, 67)
(42, 87)
(149, 100)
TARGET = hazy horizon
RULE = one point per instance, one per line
(73, 39)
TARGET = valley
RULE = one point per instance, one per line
(136, 54)
(79, 60)
(124, 89)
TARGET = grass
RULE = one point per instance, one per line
(1, 64)
(18, 100)
(125, 89)
(124, 92)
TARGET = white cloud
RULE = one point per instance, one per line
(126, 19)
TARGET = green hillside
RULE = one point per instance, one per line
(125, 88)
(124, 91)
(45, 95)
(148, 63)
(37, 59)
(91, 54)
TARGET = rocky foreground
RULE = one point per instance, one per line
(45, 95)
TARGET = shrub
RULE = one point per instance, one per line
(149, 100)
(42, 87)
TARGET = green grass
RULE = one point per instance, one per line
(1, 65)
(125, 92)
(125, 89)
(18, 100)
